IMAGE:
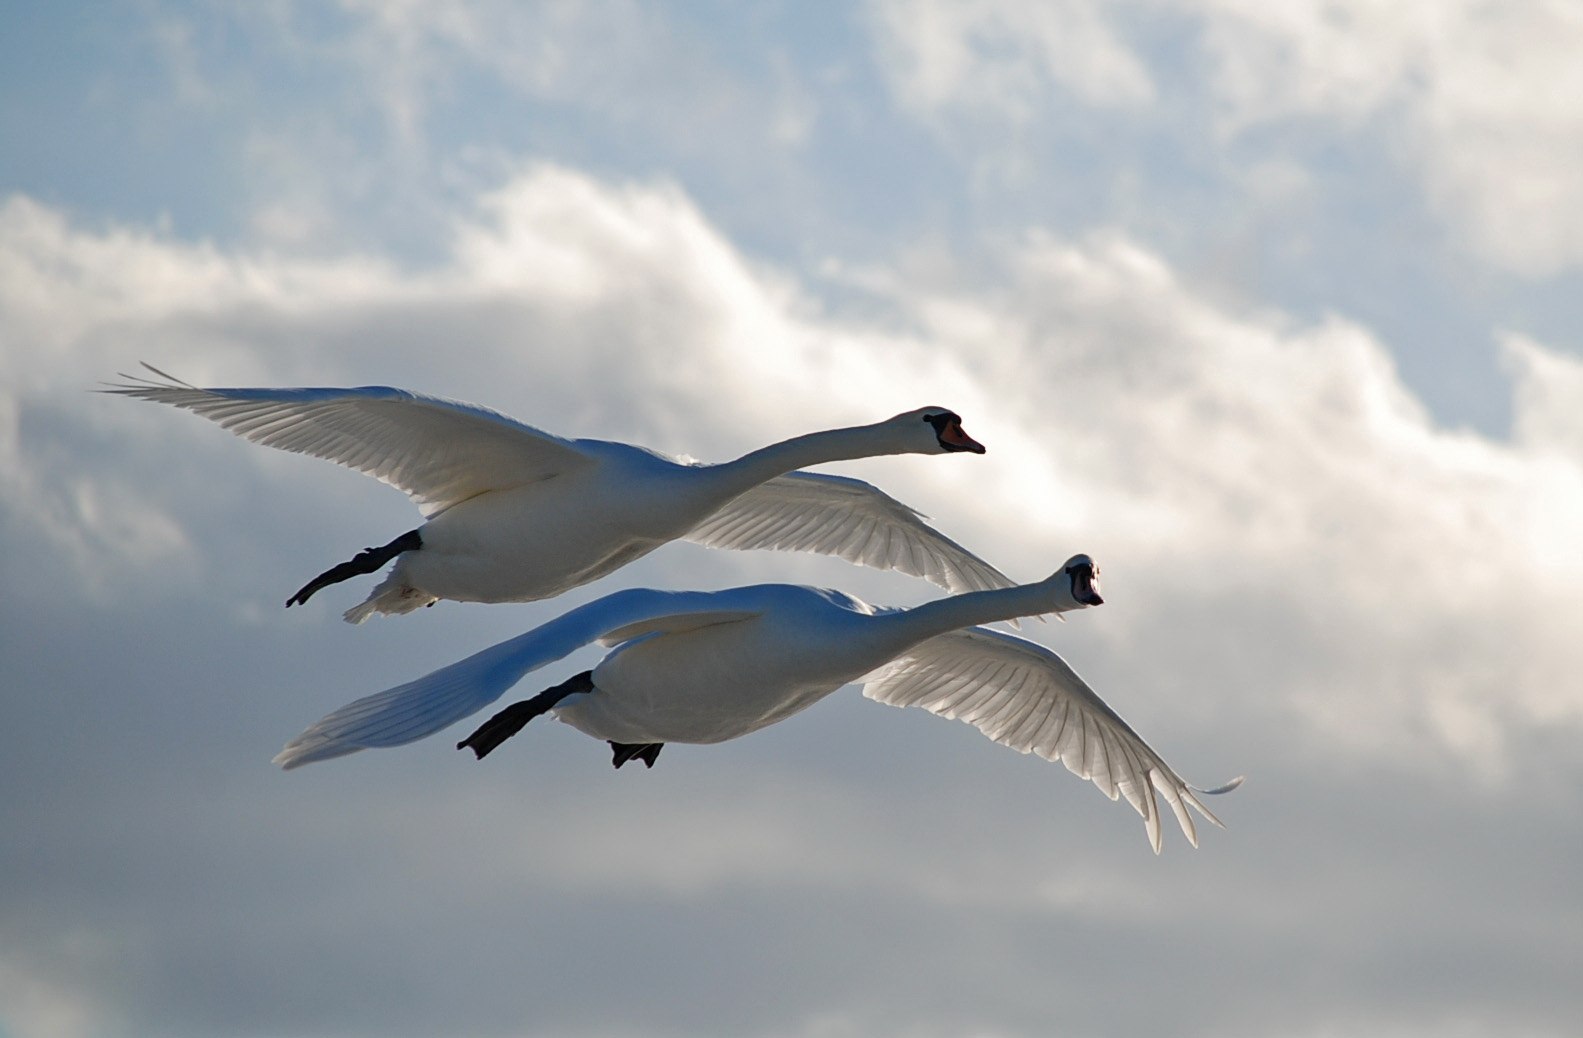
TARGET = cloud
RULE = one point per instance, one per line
(38, 1005)
(1475, 101)
(625, 65)
(1548, 386)
(1306, 578)
(1478, 98)
(1004, 60)
(380, 118)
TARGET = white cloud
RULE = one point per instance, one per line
(629, 64)
(1003, 59)
(1549, 386)
(1478, 101)
(1484, 96)
(1340, 60)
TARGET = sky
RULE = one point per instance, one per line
(1273, 309)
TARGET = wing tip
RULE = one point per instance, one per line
(137, 384)
(310, 749)
(298, 752)
(1226, 787)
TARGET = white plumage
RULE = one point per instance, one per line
(703, 667)
(516, 514)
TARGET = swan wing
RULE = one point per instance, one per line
(848, 518)
(1023, 695)
(674, 623)
(439, 452)
(420, 708)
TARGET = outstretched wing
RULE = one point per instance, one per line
(1023, 695)
(420, 708)
(439, 452)
(848, 518)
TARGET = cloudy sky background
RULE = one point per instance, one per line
(1273, 309)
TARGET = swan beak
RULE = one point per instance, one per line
(1085, 583)
(954, 439)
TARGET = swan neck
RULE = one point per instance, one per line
(764, 464)
(1053, 595)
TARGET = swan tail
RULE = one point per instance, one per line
(392, 597)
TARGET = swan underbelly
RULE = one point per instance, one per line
(717, 683)
(533, 542)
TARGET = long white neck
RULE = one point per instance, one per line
(859, 441)
(911, 626)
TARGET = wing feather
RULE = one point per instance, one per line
(850, 519)
(1024, 696)
(439, 452)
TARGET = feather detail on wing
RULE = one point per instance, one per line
(440, 452)
(1024, 696)
(420, 708)
(848, 518)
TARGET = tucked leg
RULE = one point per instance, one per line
(511, 720)
(369, 560)
(647, 752)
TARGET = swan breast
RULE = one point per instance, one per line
(543, 538)
(709, 684)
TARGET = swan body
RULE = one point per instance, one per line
(704, 667)
(517, 514)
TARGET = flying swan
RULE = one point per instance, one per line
(513, 514)
(704, 667)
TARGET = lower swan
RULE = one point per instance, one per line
(704, 667)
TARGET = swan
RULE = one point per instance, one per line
(514, 514)
(704, 667)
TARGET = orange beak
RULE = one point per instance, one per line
(955, 437)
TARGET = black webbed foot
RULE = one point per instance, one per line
(369, 560)
(647, 752)
(513, 718)
(501, 727)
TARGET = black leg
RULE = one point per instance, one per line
(513, 718)
(647, 752)
(367, 561)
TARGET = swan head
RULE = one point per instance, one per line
(934, 430)
(1083, 574)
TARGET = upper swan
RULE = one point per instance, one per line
(516, 514)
